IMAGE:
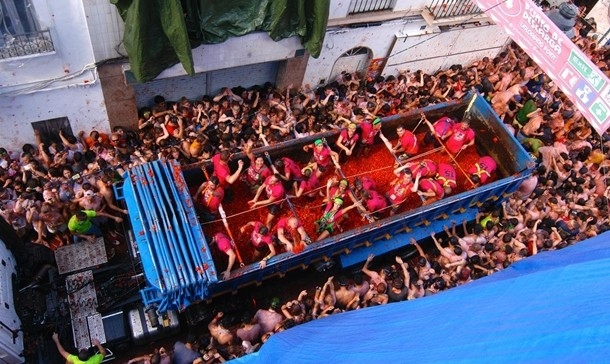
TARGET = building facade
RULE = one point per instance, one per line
(66, 67)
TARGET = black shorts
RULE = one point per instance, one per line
(274, 209)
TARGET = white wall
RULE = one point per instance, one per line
(239, 51)
(73, 49)
(339, 8)
(83, 106)
(106, 29)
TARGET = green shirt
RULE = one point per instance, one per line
(527, 108)
(534, 143)
(81, 227)
(95, 359)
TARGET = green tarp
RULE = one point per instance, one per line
(160, 33)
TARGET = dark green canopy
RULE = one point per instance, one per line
(160, 33)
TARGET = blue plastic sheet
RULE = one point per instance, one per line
(552, 307)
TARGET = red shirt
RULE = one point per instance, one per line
(258, 239)
(400, 191)
(212, 198)
(289, 232)
(368, 183)
(221, 170)
(426, 168)
(483, 168)
(408, 142)
(446, 175)
(459, 138)
(430, 185)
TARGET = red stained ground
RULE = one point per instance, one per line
(379, 164)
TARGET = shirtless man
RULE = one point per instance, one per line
(104, 186)
(217, 330)
(346, 299)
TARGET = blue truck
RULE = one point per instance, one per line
(176, 258)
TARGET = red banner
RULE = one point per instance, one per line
(556, 55)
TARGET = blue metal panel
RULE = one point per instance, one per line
(176, 259)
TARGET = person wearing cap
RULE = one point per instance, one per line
(347, 140)
(481, 171)
(270, 318)
(331, 218)
(262, 239)
(209, 196)
(225, 245)
(564, 17)
(323, 156)
(309, 183)
(83, 354)
(402, 187)
(370, 129)
(275, 192)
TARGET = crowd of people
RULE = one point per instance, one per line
(60, 192)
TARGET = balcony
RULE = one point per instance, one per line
(26, 44)
(367, 6)
(443, 9)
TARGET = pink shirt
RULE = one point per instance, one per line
(376, 202)
(426, 168)
(346, 140)
(223, 242)
(310, 184)
(400, 191)
(292, 167)
(483, 168)
(322, 157)
(446, 175)
(274, 190)
(368, 132)
(259, 239)
(443, 125)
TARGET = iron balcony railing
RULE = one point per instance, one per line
(442, 9)
(25, 44)
(365, 6)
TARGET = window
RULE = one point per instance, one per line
(20, 32)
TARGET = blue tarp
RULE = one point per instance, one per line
(552, 307)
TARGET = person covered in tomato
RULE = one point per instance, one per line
(323, 156)
(291, 232)
(289, 172)
(262, 239)
(374, 202)
(225, 245)
(209, 196)
(480, 172)
(460, 137)
(331, 218)
(370, 129)
(447, 177)
(309, 184)
(275, 192)
(347, 140)
(425, 167)
(222, 170)
(439, 130)
(257, 172)
(407, 143)
(401, 187)
(430, 190)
